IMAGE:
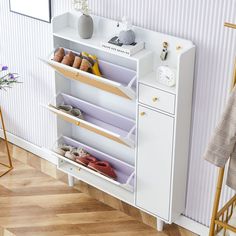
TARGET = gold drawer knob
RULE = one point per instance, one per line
(142, 113)
(155, 99)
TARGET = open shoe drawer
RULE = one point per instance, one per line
(116, 79)
(97, 119)
(124, 171)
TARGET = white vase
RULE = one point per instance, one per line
(85, 26)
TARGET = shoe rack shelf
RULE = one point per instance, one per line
(116, 79)
(96, 119)
(124, 171)
(138, 125)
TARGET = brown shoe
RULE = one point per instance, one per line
(85, 65)
(77, 62)
(103, 167)
(68, 59)
(59, 54)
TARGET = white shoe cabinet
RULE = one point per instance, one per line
(130, 120)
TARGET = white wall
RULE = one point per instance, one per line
(23, 40)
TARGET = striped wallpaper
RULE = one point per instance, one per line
(23, 40)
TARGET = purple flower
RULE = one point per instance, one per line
(4, 68)
(11, 76)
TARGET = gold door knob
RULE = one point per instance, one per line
(155, 99)
(142, 113)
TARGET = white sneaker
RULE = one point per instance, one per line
(82, 152)
(72, 155)
(62, 149)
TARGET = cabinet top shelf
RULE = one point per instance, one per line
(65, 26)
(71, 34)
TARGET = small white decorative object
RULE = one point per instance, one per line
(127, 36)
(166, 76)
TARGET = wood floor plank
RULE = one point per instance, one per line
(36, 201)
(31, 211)
(87, 206)
(47, 190)
(95, 217)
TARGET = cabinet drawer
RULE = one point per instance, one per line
(157, 98)
(96, 181)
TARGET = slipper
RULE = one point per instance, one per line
(85, 160)
(104, 168)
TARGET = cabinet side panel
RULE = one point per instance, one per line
(182, 132)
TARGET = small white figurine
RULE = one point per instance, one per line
(127, 36)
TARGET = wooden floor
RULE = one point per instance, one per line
(35, 203)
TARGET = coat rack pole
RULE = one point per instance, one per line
(9, 166)
(216, 201)
(221, 170)
(230, 25)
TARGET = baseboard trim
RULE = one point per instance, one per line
(192, 225)
(42, 152)
(39, 151)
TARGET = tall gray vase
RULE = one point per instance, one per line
(85, 26)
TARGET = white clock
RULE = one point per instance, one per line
(166, 76)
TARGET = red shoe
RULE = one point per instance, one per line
(103, 167)
(85, 160)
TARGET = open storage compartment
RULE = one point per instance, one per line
(97, 119)
(116, 79)
(125, 172)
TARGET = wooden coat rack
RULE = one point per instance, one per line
(9, 166)
(220, 218)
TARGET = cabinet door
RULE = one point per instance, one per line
(154, 154)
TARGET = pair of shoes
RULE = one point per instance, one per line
(66, 151)
(102, 167)
(73, 154)
(71, 110)
(62, 149)
(62, 57)
(70, 152)
(82, 157)
(90, 62)
(69, 59)
(84, 62)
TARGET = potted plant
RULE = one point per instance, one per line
(85, 24)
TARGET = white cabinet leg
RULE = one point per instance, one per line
(70, 180)
(160, 224)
